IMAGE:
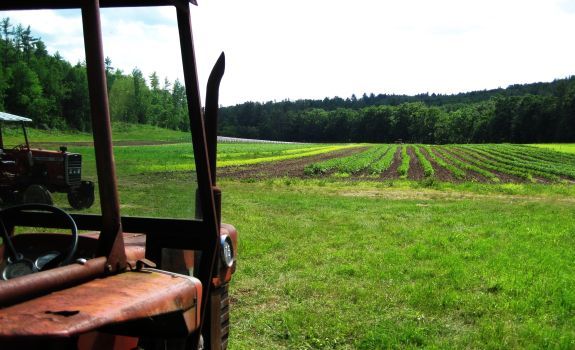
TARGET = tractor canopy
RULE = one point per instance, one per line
(7, 117)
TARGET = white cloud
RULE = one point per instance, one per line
(313, 49)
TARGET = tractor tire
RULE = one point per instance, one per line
(37, 194)
(82, 197)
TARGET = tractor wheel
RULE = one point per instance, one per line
(37, 194)
(82, 197)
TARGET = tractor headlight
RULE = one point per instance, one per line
(227, 250)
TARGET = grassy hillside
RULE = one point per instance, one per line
(121, 132)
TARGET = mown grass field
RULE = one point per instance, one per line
(403, 246)
(373, 266)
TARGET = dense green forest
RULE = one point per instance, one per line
(54, 93)
(539, 112)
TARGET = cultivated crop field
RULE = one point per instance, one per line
(491, 163)
(378, 246)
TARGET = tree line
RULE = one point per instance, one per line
(54, 93)
(540, 112)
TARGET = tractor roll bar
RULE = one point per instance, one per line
(76, 4)
(111, 242)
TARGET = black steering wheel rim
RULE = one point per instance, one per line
(43, 208)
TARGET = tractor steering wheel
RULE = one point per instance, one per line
(17, 265)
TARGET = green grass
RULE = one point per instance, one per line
(326, 264)
(330, 265)
(559, 147)
(121, 132)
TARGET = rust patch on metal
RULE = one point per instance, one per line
(90, 306)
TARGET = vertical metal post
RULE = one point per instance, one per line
(25, 135)
(211, 112)
(111, 243)
(210, 221)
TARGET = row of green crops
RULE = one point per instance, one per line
(479, 159)
(513, 164)
(457, 172)
(404, 167)
(350, 164)
(383, 163)
(426, 164)
(486, 162)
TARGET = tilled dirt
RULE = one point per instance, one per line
(415, 171)
(291, 167)
(391, 172)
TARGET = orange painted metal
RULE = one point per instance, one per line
(30, 286)
(137, 298)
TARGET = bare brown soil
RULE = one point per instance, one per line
(415, 171)
(291, 167)
(391, 172)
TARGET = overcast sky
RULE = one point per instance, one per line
(323, 48)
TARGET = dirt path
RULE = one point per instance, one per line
(292, 167)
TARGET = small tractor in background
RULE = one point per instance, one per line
(29, 175)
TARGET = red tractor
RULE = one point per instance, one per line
(28, 175)
(110, 281)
